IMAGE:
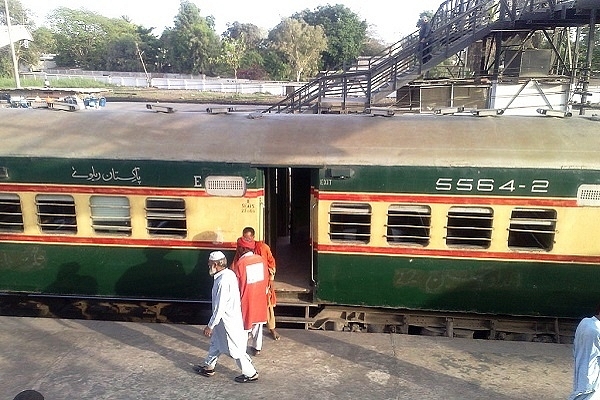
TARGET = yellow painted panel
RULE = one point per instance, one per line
(218, 219)
(30, 220)
(437, 234)
(576, 230)
(83, 215)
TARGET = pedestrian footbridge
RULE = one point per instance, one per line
(456, 25)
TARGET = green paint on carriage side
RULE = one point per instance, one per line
(153, 273)
(472, 181)
(461, 285)
(125, 173)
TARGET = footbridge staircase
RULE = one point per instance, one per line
(455, 26)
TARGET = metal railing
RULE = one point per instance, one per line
(455, 25)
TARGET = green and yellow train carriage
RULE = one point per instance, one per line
(120, 228)
(373, 217)
(492, 240)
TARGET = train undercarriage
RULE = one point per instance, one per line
(473, 326)
(302, 315)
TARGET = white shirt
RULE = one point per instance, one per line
(226, 320)
(586, 349)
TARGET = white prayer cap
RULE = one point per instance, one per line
(216, 256)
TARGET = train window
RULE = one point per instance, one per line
(230, 186)
(532, 228)
(11, 216)
(111, 214)
(56, 213)
(469, 226)
(166, 216)
(408, 224)
(350, 222)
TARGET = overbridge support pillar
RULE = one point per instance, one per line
(588, 62)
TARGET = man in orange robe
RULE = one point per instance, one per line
(263, 249)
(253, 279)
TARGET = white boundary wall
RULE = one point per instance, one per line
(201, 82)
(521, 99)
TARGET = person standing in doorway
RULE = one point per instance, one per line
(586, 351)
(226, 327)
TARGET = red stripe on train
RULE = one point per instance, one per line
(458, 253)
(108, 241)
(435, 199)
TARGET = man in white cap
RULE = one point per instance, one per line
(226, 327)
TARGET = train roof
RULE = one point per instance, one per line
(302, 140)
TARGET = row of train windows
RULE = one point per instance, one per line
(406, 224)
(109, 215)
(530, 228)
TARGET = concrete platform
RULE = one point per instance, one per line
(81, 359)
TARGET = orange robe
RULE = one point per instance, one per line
(263, 249)
(253, 279)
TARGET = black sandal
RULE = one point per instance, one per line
(202, 370)
(246, 379)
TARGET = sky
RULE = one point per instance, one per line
(389, 20)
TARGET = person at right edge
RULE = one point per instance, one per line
(586, 351)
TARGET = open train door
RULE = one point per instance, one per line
(287, 230)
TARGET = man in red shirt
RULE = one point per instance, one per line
(253, 279)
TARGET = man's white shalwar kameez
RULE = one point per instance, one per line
(586, 349)
(228, 334)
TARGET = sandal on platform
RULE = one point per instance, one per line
(246, 379)
(199, 369)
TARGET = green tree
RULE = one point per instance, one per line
(301, 44)
(346, 33)
(19, 15)
(372, 47)
(44, 41)
(583, 48)
(251, 65)
(24, 51)
(192, 44)
(126, 52)
(149, 46)
(252, 34)
(275, 63)
(232, 52)
(122, 54)
(83, 36)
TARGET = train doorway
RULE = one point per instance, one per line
(287, 229)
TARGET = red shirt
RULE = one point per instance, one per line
(253, 279)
